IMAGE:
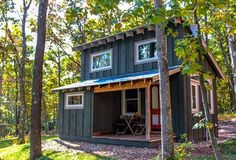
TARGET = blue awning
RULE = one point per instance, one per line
(117, 79)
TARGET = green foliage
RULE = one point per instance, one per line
(183, 151)
(187, 50)
(202, 123)
(8, 141)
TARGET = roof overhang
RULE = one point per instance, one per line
(120, 82)
(122, 35)
(112, 38)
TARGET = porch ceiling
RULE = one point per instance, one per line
(146, 77)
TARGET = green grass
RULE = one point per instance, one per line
(9, 150)
(228, 151)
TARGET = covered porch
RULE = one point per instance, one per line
(134, 98)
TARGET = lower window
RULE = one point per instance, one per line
(74, 100)
(130, 101)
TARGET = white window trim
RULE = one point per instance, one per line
(123, 102)
(77, 106)
(196, 84)
(136, 45)
(211, 96)
(97, 54)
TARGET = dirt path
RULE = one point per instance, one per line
(227, 130)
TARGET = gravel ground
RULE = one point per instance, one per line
(227, 130)
(116, 152)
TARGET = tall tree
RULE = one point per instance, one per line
(35, 132)
(167, 144)
(193, 55)
(21, 138)
(202, 83)
(232, 49)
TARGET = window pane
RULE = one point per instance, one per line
(194, 97)
(147, 51)
(132, 106)
(75, 100)
(103, 60)
(209, 98)
(129, 94)
(155, 104)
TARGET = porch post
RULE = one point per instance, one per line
(148, 112)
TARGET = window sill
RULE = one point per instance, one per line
(145, 61)
(74, 107)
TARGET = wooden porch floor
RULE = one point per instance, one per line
(141, 138)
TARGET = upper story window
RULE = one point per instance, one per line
(145, 51)
(74, 100)
(101, 61)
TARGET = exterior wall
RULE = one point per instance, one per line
(75, 122)
(179, 102)
(200, 134)
(107, 110)
(123, 56)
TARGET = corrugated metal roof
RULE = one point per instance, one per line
(114, 79)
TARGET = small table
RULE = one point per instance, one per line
(128, 119)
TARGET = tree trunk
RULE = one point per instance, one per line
(167, 146)
(203, 89)
(1, 80)
(21, 138)
(232, 91)
(16, 101)
(3, 62)
(232, 50)
(35, 127)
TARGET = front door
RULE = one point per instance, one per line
(155, 108)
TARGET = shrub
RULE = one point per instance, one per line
(182, 151)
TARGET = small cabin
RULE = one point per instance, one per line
(117, 100)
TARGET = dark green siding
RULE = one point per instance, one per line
(178, 102)
(76, 122)
(123, 57)
(200, 134)
(107, 110)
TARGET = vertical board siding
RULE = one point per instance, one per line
(60, 117)
(87, 114)
(79, 123)
(106, 111)
(178, 100)
(123, 57)
(76, 122)
(200, 134)
(72, 122)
